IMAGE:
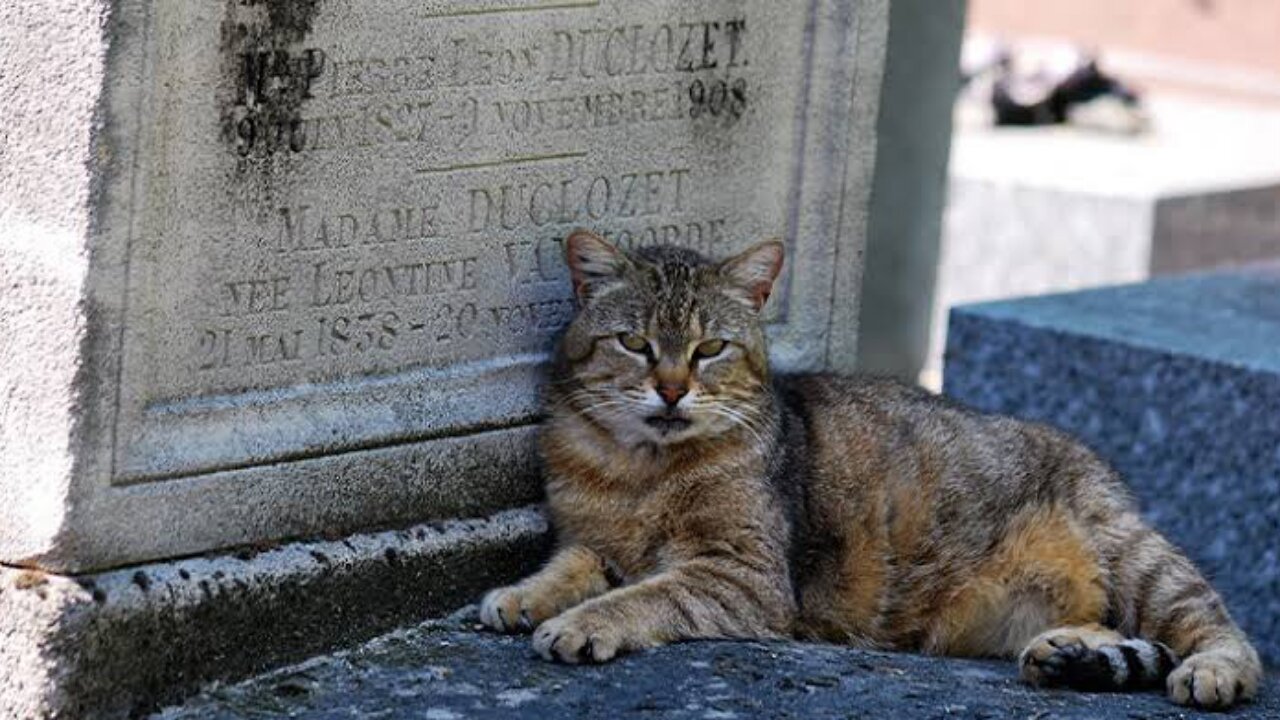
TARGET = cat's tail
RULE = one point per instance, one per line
(1096, 659)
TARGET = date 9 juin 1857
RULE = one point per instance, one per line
(274, 84)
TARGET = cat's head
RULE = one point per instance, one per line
(667, 346)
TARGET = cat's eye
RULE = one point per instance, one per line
(708, 349)
(634, 343)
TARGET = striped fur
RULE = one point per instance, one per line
(851, 510)
(1096, 659)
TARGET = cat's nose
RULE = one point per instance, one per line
(672, 392)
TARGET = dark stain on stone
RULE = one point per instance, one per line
(651, 704)
(218, 574)
(142, 581)
(268, 73)
(290, 689)
(182, 573)
(392, 556)
(91, 586)
(291, 18)
(320, 557)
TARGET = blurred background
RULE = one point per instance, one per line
(1091, 143)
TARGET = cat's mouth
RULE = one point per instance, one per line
(667, 424)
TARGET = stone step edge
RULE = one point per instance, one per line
(122, 642)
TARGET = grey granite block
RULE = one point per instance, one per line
(1176, 382)
(447, 671)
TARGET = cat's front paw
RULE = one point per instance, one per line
(1211, 681)
(513, 609)
(577, 637)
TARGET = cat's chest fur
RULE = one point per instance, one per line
(629, 529)
(635, 514)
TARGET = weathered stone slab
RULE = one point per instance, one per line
(111, 645)
(311, 270)
(1176, 382)
(446, 670)
(281, 269)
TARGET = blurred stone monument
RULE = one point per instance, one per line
(1045, 210)
(279, 278)
(913, 136)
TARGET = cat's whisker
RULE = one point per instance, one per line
(586, 395)
(605, 404)
(759, 426)
(740, 421)
(746, 413)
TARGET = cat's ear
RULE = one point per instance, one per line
(592, 262)
(751, 273)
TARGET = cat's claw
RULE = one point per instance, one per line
(575, 640)
(511, 610)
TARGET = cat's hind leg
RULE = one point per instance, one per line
(1161, 598)
(1095, 658)
(1043, 574)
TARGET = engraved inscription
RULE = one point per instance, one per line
(440, 94)
(517, 206)
(344, 305)
(339, 196)
(463, 257)
(302, 228)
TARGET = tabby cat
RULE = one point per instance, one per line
(695, 495)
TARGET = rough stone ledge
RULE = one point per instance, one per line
(446, 670)
(123, 642)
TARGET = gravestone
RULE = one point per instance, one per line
(1176, 383)
(281, 269)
